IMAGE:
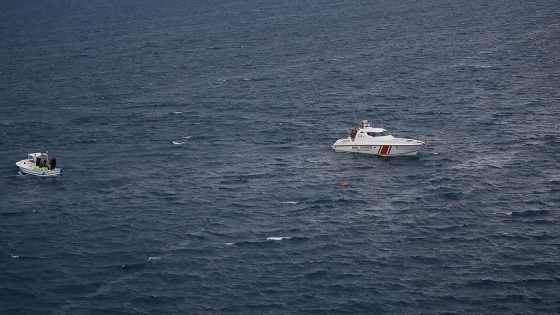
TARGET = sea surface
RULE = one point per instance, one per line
(198, 175)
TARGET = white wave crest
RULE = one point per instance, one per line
(278, 238)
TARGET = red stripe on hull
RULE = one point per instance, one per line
(385, 149)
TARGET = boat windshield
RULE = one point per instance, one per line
(378, 134)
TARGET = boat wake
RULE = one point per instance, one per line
(259, 242)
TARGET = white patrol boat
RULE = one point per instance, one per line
(39, 164)
(377, 141)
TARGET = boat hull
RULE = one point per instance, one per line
(55, 172)
(410, 148)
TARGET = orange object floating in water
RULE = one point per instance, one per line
(345, 184)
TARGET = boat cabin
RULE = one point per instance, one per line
(366, 130)
(41, 160)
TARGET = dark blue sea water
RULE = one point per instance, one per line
(198, 176)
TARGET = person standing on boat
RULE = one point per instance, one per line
(353, 133)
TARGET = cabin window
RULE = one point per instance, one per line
(378, 134)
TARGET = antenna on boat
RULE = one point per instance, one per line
(354, 111)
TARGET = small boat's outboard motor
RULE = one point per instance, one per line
(52, 163)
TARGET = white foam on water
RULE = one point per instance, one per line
(177, 142)
(290, 202)
(154, 258)
(278, 238)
